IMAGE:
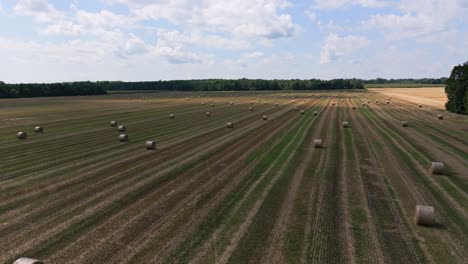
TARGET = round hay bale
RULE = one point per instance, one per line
(113, 123)
(230, 125)
(265, 103)
(420, 106)
(203, 103)
(440, 117)
(437, 168)
(388, 102)
(121, 128)
(22, 135)
(172, 115)
(353, 107)
(265, 117)
(208, 113)
(333, 103)
(345, 124)
(276, 104)
(425, 215)
(302, 112)
(251, 102)
(317, 143)
(212, 105)
(315, 113)
(363, 104)
(404, 123)
(231, 103)
(123, 137)
(150, 145)
(368, 102)
(342, 100)
(295, 108)
(28, 261)
(38, 129)
(250, 108)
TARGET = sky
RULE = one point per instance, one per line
(144, 40)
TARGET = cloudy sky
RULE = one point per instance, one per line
(137, 40)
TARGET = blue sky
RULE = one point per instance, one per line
(138, 40)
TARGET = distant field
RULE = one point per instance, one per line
(402, 85)
(256, 193)
(435, 97)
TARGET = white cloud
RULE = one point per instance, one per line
(74, 51)
(253, 55)
(334, 4)
(336, 47)
(237, 17)
(178, 38)
(40, 10)
(135, 45)
(311, 14)
(419, 18)
(176, 55)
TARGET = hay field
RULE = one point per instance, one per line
(259, 192)
(432, 96)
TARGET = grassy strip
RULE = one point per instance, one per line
(218, 216)
(359, 217)
(327, 211)
(294, 237)
(437, 250)
(252, 244)
(414, 152)
(408, 159)
(79, 228)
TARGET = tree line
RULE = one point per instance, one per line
(457, 90)
(238, 85)
(50, 89)
(101, 87)
(442, 80)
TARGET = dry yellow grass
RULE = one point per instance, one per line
(434, 96)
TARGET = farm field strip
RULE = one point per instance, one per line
(198, 176)
(422, 183)
(110, 141)
(437, 150)
(428, 120)
(106, 170)
(406, 188)
(395, 244)
(421, 160)
(256, 193)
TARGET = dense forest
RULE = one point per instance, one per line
(239, 85)
(97, 88)
(50, 89)
(442, 80)
(457, 90)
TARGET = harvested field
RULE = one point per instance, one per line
(259, 192)
(431, 96)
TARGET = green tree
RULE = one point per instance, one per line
(457, 90)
